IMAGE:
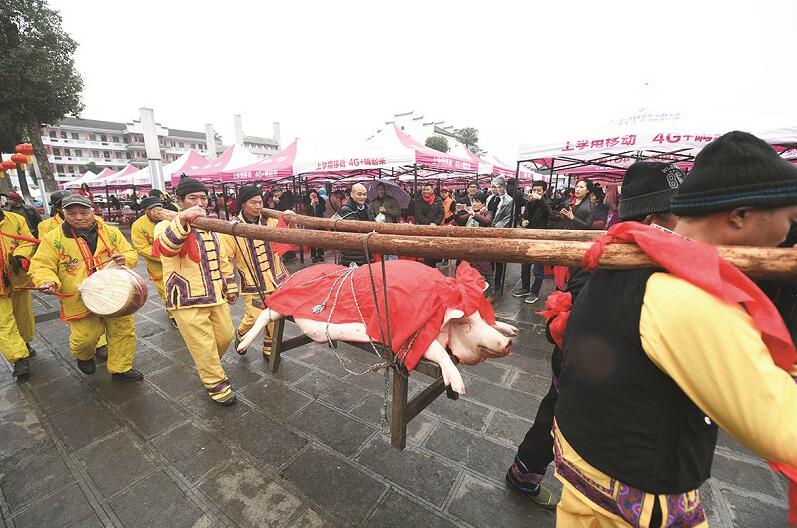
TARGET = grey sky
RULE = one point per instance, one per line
(335, 71)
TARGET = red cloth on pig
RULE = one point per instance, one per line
(418, 297)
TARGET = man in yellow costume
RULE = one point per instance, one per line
(16, 311)
(260, 268)
(65, 258)
(200, 282)
(55, 221)
(142, 234)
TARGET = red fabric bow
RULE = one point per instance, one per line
(189, 248)
(558, 306)
(700, 264)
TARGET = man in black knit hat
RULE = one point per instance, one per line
(688, 345)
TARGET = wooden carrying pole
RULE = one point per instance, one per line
(758, 263)
(358, 226)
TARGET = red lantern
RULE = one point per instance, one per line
(25, 148)
(19, 158)
(9, 165)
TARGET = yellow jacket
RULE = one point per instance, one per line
(256, 256)
(13, 224)
(142, 234)
(67, 262)
(196, 267)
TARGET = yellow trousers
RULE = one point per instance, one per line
(120, 332)
(251, 313)
(16, 325)
(161, 289)
(207, 331)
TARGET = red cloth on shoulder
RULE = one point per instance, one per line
(418, 297)
(700, 264)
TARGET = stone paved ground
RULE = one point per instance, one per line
(303, 448)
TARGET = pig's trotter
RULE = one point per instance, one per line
(451, 375)
(265, 317)
(506, 329)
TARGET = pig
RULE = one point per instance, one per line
(460, 330)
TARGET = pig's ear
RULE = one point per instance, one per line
(452, 313)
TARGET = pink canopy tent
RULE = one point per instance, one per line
(77, 182)
(279, 166)
(233, 158)
(102, 181)
(191, 160)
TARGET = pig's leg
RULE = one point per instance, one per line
(265, 317)
(451, 375)
(317, 331)
(507, 329)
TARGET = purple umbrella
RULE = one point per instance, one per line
(391, 189)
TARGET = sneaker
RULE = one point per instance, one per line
(87, 367)
(531, 299)
(21, 368)
(31, 350)
(102, 352)
(130, 375)
(520, 293)
(320, 258)
(173, 321)
(231, 399)
(526, 485)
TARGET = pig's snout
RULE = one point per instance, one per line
(502, 348)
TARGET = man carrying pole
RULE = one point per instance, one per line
(260, 267)
(142, 234)
(200, 282)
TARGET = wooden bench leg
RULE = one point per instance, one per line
(276, 345)
(398, 420)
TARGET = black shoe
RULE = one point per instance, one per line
(320, 258)
(238, 342)
(21, 368)
(520, 293)
(173, 321)
(231, 400)
(314, 259)
(87, 367)
(130, 375)
(31, 350)
(101, 353)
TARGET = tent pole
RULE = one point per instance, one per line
(300, 202)
(107, 202)
(224, 199)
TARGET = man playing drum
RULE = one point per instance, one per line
(66, 257)
(16, 311)
(200, 282)
(260, 268)
(142, 234)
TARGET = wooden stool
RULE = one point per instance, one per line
(403, 411)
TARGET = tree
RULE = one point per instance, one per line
(469, 136)
(438, 143)
(40, 83)
(90, 166)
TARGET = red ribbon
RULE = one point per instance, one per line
(558, 306)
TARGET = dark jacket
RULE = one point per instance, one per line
(583, 215)
(390, 204)
(285, 202)
(318, 209)
(351, 211)
(30, 214)
(537, 213)
(426, 214)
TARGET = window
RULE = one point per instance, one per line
(67, 152)
(119, 155)
(107, 153)
(182, 145)
(103, 137)
(63, 135)
(93, 137)
(95, 153)
(52, 133)
(173, 145)
(193, 145)
(78, 152)
(56, 151)
(115, 139)
(75, 135)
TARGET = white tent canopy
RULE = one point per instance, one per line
(77, 182)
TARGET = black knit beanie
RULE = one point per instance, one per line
(188, 186)
(648, 188)
(149, 202)
(735, 170)
(245, 193)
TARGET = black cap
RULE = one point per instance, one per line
(148, 202)
(188, 186)
(57, 197)
(648, 188)
(736, 170)
(76, 199)
(247, 192)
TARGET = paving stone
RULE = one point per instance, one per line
(336, 430)
(32, 473)
(331, 390)
(171, 342)
(249, 498)
(83, 424)
(510, 400)
(370, 381)
(475, 452)
(324, 359)
(508, 428)
(177, 381)
(45, 371)
(65, 508)
(239, 375)
(212, 414)
(148, 360)
(483, 504)
(61, 394)
(275, 398)
(166, 505)
(309, 519)
(531, 383)
(11, 397)
(466, 413)
(18, 429)
(397, 511)
(150, 414)
(288, 371)
(709, 506)
(748, 512)
(421, 474)
(489, 370)
(116, 392)
(333, 483)
(744, 475)
(145, 328)
(370, 409)
(265, 439)
(115, 462)
(192, 451)
(727, 441)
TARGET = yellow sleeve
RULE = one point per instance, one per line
(124, 248)
(171, 236)
(44, 265)
(140, 242)
(225, 265)
(24, 248)
(715, 354)
(230, 247)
